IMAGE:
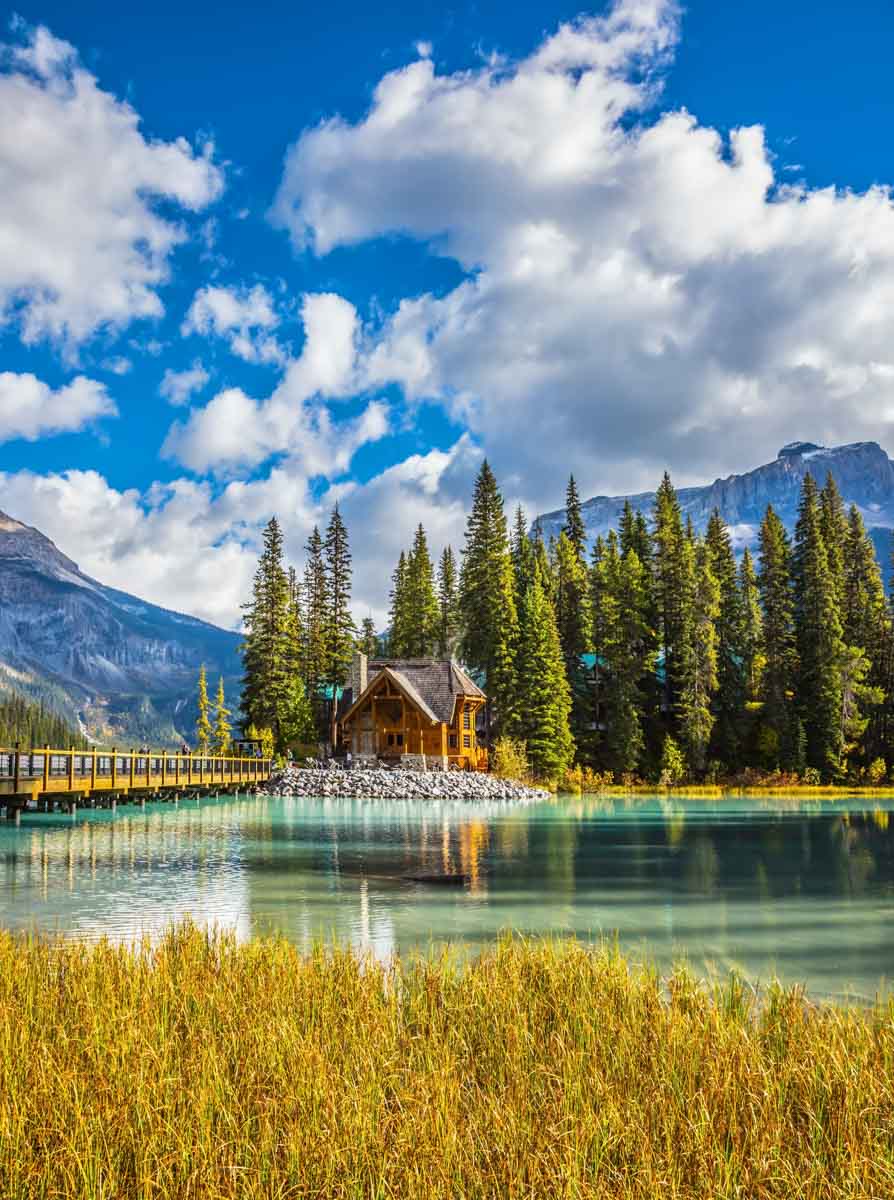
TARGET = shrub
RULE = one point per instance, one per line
(673, 765)
(811, 777)
(876, 772)
(509, 759)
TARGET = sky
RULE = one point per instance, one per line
(260, 260)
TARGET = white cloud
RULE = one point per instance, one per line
(118, 365)
(242, 316)
(177, 387)
(149, 543)
(641, 291)
(30, 409)
(236, 431)
(82, 242)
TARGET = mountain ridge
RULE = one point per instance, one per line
(113, 664)
(863, 471)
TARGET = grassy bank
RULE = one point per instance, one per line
(207, 1069)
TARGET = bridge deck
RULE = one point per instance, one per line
(36, 774)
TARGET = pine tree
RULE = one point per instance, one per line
(203, 721)
(544, 698)
(752, 628)
(672, 567)
(448, 605)
(222, 726)
(423, 614)
(339, 624)
(368, 642)
(699, 676)
(819, 640)
(627, 651)
(732, 682)
(398, 622)
(574, 619)
(523, 556)
(316, 603)
(574, 528)
(269, 647)
(834, 528)
(778, 676)
(489, 615)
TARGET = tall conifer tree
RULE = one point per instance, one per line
(574, 528)
(699, 678)
(490, 618)
(398, 636)
(339, 627)
(222, 728)
(421, 600)
(780, 653)
(673, 575)
(203, 721)
(315, 614)
(368, 642)
(448, 604)
(729, 699)
(267, 649)
(752, 627)
(544, 698)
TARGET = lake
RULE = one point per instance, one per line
(801, 889)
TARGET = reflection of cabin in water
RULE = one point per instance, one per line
(413, 706)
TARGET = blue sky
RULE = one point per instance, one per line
(540, 240)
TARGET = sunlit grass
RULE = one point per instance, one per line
(204, 1068)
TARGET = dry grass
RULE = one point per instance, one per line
(207, 1069)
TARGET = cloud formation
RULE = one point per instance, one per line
(83, 244)
(641, 291)
(242, 316)
(30, 409)
(177, 387)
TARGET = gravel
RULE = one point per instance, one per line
(386, 784)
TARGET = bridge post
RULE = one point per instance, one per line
(16, 768)
(46, 766)
(71, 768)
(132, 764)
(92, 771)
(114, 765)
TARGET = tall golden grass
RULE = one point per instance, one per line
(203, 1068)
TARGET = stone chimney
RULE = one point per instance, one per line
(358, 674)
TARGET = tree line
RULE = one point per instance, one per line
(33, 724)
(654, 654)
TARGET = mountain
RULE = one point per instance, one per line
(863, 471)
(116, 667)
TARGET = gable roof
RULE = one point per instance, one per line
(432, 684)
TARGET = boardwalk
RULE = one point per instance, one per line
(46, 779)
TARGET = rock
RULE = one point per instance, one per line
(384, 784)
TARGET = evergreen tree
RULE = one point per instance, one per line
(544, 699)
(339, 624)
(574, 620)
(819, 640)
(203, 721)
(316, 604)
(222, 727)
(398, 621)
(752, 628)
(834, 528)
(864, 616)
(448, 604)
(627, 651)
(523, 556)
(423, 614)
(699, 675)
(672, 568)
(268, 650)
(574, 528)
(298, 725)
(777, 603)
(489, 615)
(732, 666)
(368, 642)
(30, 723)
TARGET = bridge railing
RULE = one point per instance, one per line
(51, 769)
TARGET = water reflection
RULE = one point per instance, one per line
(805, 890)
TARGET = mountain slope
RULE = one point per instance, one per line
(862, 470)
(116, 666)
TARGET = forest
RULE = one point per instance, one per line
(656, 654)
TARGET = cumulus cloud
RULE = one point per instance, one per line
(177, 387)
(236, 431)
(640, 290)
(157, 537)
(83, 242)
(242, 316)
(30, 408)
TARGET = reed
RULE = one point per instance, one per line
(205, 1068)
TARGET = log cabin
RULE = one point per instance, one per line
(417, 707)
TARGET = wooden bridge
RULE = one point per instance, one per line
(46, 779)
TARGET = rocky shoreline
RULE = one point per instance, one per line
(386, 784)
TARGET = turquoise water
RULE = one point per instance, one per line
(802, 890)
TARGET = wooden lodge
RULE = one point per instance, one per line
(419, 707)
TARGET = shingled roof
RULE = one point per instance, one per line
(436, 681)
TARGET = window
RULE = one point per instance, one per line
(467, 718)
(467, 741)
(390, 739)
(400, 739)
(453, 741)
